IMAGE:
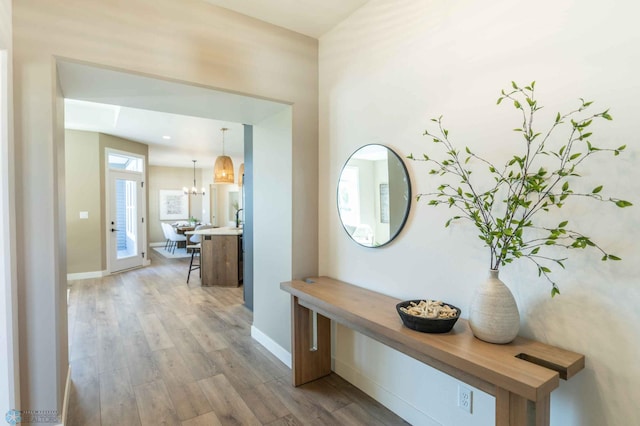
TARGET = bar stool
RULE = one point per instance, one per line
(194, 244)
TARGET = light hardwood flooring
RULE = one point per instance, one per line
(146, 349)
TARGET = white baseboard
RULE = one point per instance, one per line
(65, 401)
(281, 353)
(86, 275)
(393, 402)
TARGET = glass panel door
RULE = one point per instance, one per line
(125, 224)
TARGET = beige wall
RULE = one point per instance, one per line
(188, 41)
(394, 64)
(85, 242)
(171, 178)
(85, 191)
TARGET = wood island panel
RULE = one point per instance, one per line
(521, 374)
(220, 263)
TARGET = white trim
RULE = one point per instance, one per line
(157, 244)
(86, 275)
(65, 401)
(281, 353)
(10, 371)
(143, 204)
(393, 402)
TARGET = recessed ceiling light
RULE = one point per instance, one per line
(167, 137)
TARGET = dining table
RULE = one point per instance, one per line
(181, 230)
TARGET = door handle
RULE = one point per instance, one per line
(114, 230)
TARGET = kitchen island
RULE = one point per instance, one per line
(220, 256)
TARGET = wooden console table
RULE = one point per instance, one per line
(521, 374)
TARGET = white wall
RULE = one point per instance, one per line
(394, 64)
(272, 236)
(9, 364)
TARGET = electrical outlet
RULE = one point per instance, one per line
(465, 398)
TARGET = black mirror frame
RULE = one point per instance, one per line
(409, 195)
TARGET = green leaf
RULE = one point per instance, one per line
(623, 203)
(622, 148)
(612, 257)
(558, 117)
(554, 291)
(545, 269)
(426, 157)
(410, 156)
(514, 85)
(574, 156)
(565, 186)
(597, 189)
(499, 100)
(563, 224)
(516, 104)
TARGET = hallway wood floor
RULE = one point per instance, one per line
(146, 349)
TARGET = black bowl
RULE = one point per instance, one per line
(427, 325)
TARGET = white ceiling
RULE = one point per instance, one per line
(144, 109)
(309, 17)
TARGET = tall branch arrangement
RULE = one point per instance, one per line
(536, 180)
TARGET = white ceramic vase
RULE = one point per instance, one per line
(493, 315)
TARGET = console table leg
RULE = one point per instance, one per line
(543, 411)
(311, 358)
(514, 410)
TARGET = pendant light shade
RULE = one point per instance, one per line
(241, 175)
(223, 169)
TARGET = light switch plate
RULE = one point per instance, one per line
(84, 215)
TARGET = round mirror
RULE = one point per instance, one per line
(374, 195)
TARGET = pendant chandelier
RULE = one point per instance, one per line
(194, 190)
(223, 169)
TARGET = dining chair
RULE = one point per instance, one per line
(175, 238)
(166, 233)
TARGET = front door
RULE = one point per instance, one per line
(125, 221)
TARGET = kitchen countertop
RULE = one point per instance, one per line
(217, 231)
